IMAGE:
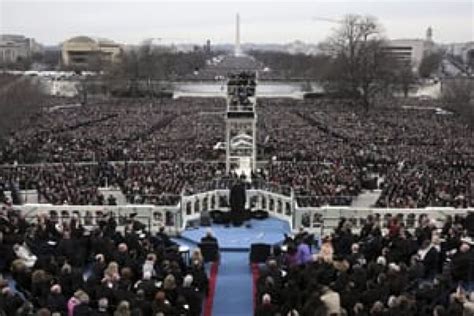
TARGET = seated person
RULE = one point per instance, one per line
(162, 238)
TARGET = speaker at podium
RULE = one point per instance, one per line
(237, 203)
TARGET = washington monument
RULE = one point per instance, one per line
(238, 51)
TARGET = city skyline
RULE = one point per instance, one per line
(261, 22)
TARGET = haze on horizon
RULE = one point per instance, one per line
(130, 22)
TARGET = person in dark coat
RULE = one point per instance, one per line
(237, 203)
(161, 305)
(135, 224)
(200, 279)
(430, 256)
(142, 304)
(103, 307)
(209, 238)
(83, 308)
(462, 263)
(469, 223)
(344, 240)
(147, 286)
(191, 295)
(9, 301)
(56, 301)
(162, 238)
(68, 248)
(266, 308)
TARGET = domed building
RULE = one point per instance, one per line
(84, 52)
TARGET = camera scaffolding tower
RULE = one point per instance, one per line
(241, 123)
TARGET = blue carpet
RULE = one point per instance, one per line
(234, 289)
(234, 286)
(268, 231)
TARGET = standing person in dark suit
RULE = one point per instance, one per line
(237, 203)
(469, 224)
(209, 237)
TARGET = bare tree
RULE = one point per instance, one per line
(19, 97)
(139, 69)
(358, 58)
(404, 77)
(458, 95)
(430, 64)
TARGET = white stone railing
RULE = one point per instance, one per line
(323, 220)
(152, 216)
(318, 220)
(277, 205)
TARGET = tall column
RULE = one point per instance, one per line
(237, 36)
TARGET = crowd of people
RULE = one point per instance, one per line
(62, 268)
(423, 156)
(154, 150)
(317, 184)
(377, 271)
(324, 148)
(115, 130)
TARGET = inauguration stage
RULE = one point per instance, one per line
(269, 231)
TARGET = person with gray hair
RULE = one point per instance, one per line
(103, 306)
(188, 281)
(123, 309)
(83, 308)
(266, 307)
(209, 237)
(191, 295)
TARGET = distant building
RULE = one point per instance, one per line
(15, 48)
(464, 51)
(411, 51)
(85, 52)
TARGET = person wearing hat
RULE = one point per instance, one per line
(135, 224)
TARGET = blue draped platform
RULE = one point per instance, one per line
(269, 231)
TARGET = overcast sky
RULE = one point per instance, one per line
(51, 22)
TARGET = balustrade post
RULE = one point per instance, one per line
(201, 203)
(193, 204)
(259, 201)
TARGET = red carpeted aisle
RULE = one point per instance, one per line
(212, 289)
